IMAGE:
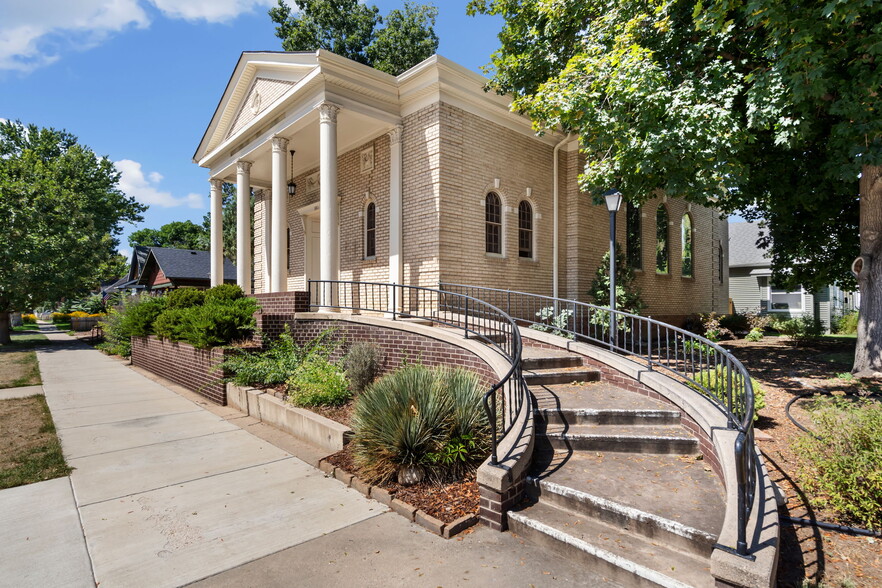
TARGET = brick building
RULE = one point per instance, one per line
(426, 178)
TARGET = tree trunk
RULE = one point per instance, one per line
(868, 354)
(5, 337)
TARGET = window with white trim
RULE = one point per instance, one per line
(370, 231)
(525, 230)
(782, 300)
(493, 223)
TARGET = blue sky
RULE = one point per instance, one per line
(138, 80)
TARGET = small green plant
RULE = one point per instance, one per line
(318, 382)
(802, 330)
(842, 460)
(362, 364)
(693, 346)
(627, 293)
(421, 418)
(555, 324)
(754, 335)
(845, 324)
(716, 383)
(713, 330)
(758, 321)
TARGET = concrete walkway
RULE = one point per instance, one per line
(166, 492)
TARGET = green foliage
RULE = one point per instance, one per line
(138, 317)
(282, 357)
(713, 330)
(172, 323)
(184, 298)
(224, 293)
(754, 335)
(693, 346)
(555, 324)
(716, 382)
(802, 330)
(318, 382)
(362, 364)
(217, 322)
(176, 234)
(627, 293)
(842, 461)
(845, 324)
(62, 214)
(117, 336)
(350, 28)
(417, 416)
(736, 322)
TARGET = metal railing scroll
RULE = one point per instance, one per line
(701, 364)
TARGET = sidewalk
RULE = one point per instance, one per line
(165, 493)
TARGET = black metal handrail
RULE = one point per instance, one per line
(477, 319)
(702, 364)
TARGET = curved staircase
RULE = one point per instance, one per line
(616, 480)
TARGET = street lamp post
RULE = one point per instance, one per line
(613, 202)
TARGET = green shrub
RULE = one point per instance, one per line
(318, 382)
(119, 322)
(185, 298)
(713, 329)
(138, 317)
(28, 319)
(842, 461)
(801, 330)
(431, 419)
(362, 365)
(170, 323)
(224, 293)
(715, 381)
(217, 323)
(754, 335)
(278, 361)
(693, 346)
(845, 324)
(736, 323)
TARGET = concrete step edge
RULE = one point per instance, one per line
(637, 413)
(616, 560)
(600, 437)
(667, 525)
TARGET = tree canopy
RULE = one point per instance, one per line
(757, 106)
(62, 215)
(352, 29)
(176, 234)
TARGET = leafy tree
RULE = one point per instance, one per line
(62, 213)
(176, 234)
(350, 29)
(767, 107)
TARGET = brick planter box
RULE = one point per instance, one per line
(183, 364)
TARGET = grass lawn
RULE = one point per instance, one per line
(29, 449)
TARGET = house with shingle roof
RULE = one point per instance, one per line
(167, 268)
(752, 283)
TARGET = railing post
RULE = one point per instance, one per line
(466, 319)
(394, 301)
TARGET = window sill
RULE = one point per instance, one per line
(371, 258)
(494, 255)
(528, 259)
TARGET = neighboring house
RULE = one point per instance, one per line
(129, 282)
(426, 178)
(167, 268)
(752, 285)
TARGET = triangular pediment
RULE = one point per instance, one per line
(262, 94)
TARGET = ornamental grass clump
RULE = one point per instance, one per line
(362, 364)
(842, 460)
(419, 422)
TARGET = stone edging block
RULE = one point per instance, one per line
(459, 525)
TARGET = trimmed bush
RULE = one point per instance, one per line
(138, 318)
(842, 461)
(170, 324)
(29, 319)
(362, 365)
(217, 323)
(430, 420)
(184, 298)
(224, 293)
(801, 330)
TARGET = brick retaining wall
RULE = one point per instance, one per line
(183, 364)
(277, 310)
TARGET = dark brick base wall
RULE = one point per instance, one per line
(276, 311)
(494, 505)
(183, 364)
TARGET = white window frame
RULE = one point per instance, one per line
(801, 293)
(502, 214)
(364, 249)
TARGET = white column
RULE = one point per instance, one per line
(395, 218)
(217, 245)
(243, 225)
(266, 246)
(278, 271)
(329, 228)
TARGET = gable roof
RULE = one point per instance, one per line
(139, 258)
(743, 250)
(188, 264)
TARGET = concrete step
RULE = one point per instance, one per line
(639, 522)
(535, 358)
(665, 439)
(614, 552)
(593, 395)
(547, 377)
(609, 416)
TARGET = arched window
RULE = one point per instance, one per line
(493, 223)
(686, 244)
(525, 230)
(634, 238)
(661, 240)
(370, 231)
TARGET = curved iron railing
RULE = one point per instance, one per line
(700, 363)
(478, 320)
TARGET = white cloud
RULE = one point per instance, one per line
(145, 190)
(34, 34)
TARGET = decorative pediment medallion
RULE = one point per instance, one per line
(262, 94)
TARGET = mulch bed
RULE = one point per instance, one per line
(807, 553)
(446, 502)
(341, 414)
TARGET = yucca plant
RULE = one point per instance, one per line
(422, 421)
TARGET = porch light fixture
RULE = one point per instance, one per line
(292, 187)
(613, 202)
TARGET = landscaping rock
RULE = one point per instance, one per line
(459, 525)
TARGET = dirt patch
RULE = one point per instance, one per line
(784, 371)
(29, 448)
(341, 414)
(18, 368)
(446, 502)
